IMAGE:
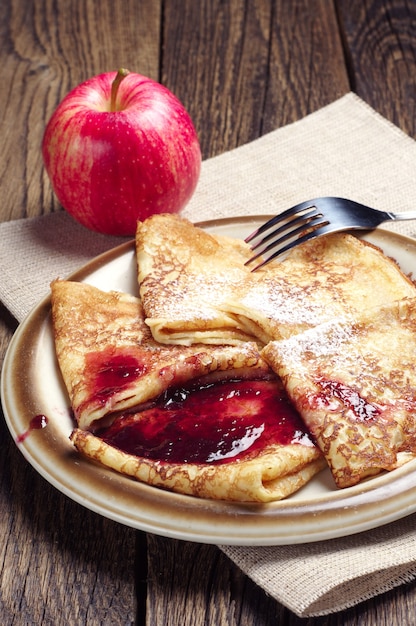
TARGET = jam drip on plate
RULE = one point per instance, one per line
(36, 423)
(215, 423)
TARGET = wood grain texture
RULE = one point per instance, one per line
(202, 586)
(60, 562)
(241, 68)
(47, 48)
(307, 69)
(380, 38)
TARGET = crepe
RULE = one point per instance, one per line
(195, 287)
(353, 381)
(157, 448)
(318, 281)
(211, 421)
(110, 362)
(185, 274)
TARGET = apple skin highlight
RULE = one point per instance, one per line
(110, 168)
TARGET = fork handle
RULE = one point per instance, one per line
(409, 215)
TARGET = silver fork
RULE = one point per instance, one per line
(312, 219)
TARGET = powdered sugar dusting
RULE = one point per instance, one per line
(325, 340)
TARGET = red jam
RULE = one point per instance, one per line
(362, 409)
(109, 373)
(36, 423)
(216, 423)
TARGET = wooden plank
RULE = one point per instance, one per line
(47, 48)
(201, 587)
(60, 563)
(380, 39)
(307, 68)
(243, 69)
(194, 585)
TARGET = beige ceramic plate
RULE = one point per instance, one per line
(31, 386)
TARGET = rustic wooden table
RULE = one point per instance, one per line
(242, 69)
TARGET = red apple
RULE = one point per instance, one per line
(118, 148)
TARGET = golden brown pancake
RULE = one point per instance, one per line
(110, 361)
(212, 421)
(320, 280)
(185, 274)
(270, 475)
(353, 380)
(195, 288)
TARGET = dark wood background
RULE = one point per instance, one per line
(242, 68)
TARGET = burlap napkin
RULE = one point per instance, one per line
(344, 149)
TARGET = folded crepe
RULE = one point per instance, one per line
(185, 274)
(212, 421)
(353, 380)
(195, 287)
(318, 281)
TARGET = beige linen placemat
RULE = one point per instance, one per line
(344, 149)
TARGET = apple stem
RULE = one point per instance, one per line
(121, 74)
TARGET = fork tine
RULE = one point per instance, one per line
(280, 218)
(310, 235)
(316, 222)
(304, 219)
